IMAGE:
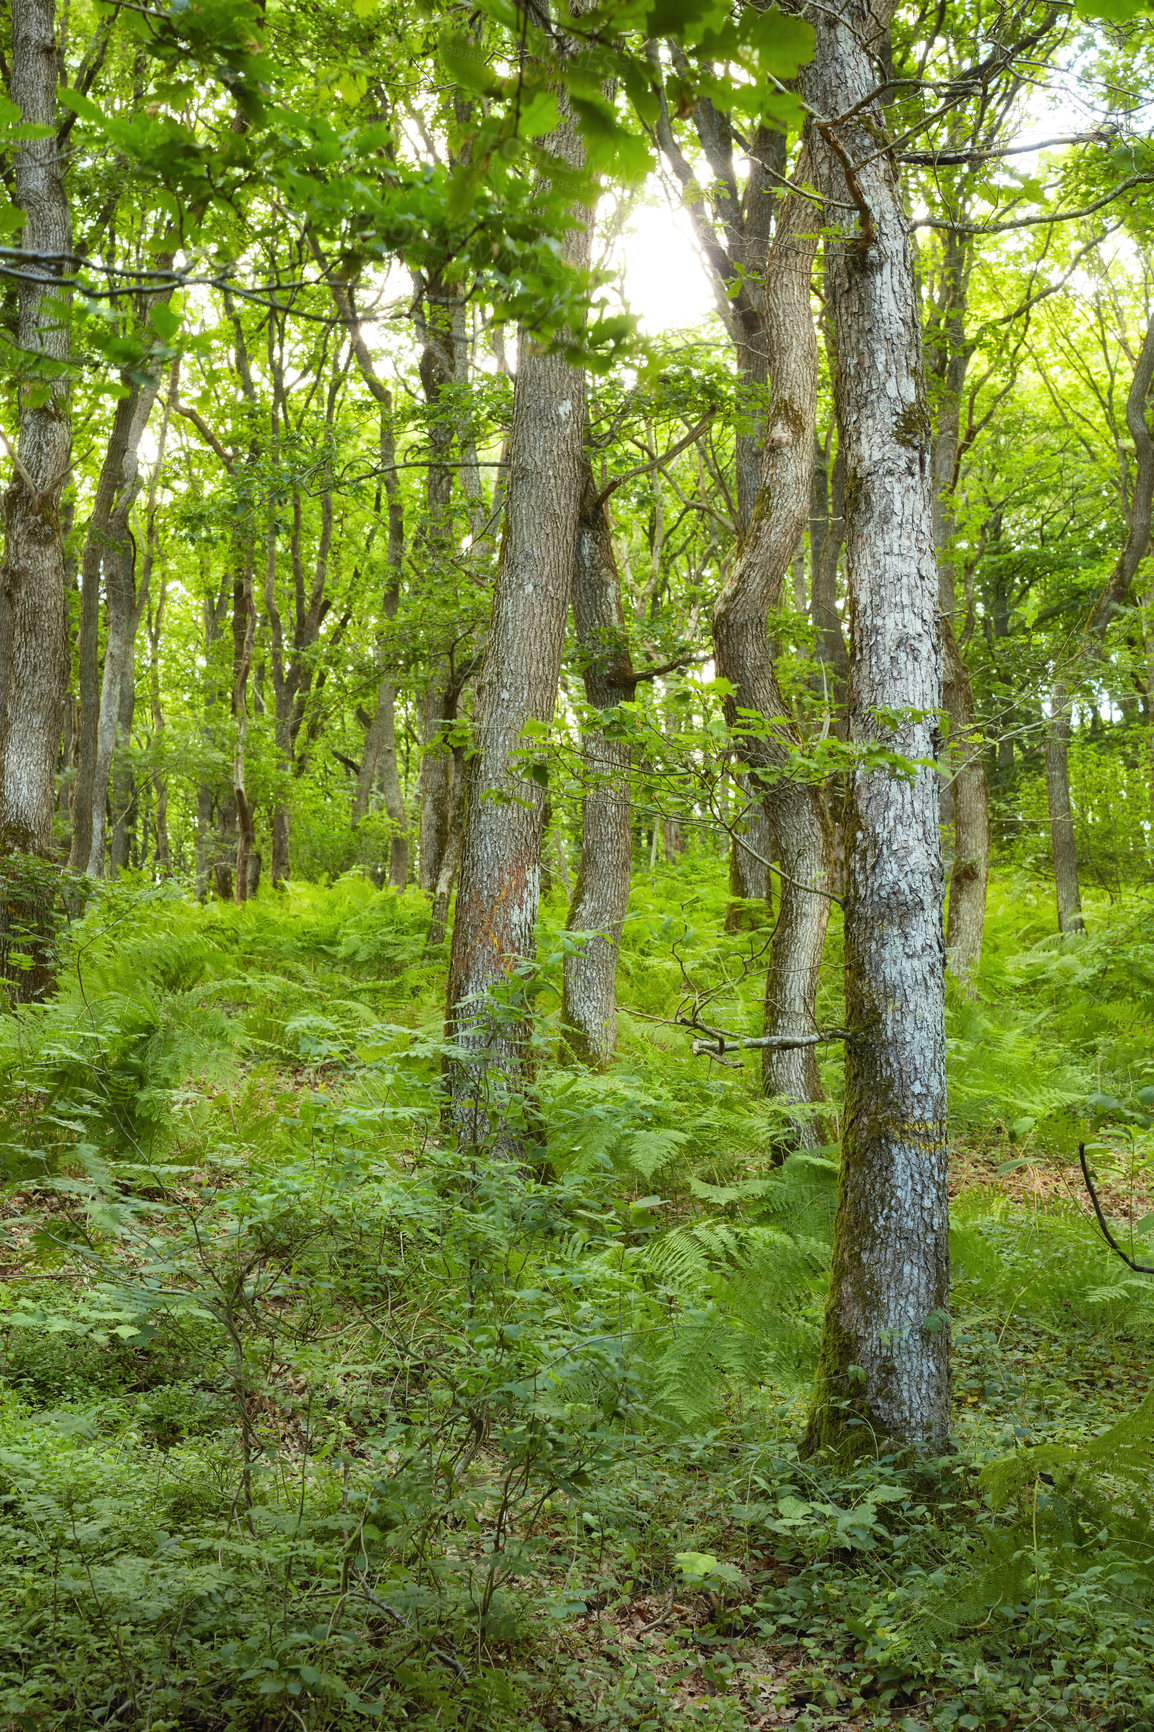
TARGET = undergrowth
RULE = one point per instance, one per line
(308, 1420)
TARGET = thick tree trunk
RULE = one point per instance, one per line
(745, 657)
(885, 1360)
(493, 932)
(601, 895)
(34, 660)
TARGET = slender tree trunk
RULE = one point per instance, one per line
(885, 1360)
(34, 660)
(380, 758)
(159, 778)
(244, 634)
(1066, 887)
(969, 876)
(601, 896)
(1115, 593)
(113, 547)
(751, 850)
(96, 545)
(967, 791)
(123, 782)
(493, 932)
(443, 893)
(745, 657)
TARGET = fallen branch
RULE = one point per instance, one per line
(716, 1045)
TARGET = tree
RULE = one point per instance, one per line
(33, 642)
(885, 1349)
(745, 657)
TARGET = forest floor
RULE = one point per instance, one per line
(308, 1421)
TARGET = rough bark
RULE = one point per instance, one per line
(493, 931)
(1115, 593)
(884, 1370)
(601, 894)
(745, 657)
(34, 661)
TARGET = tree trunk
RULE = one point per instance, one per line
(1067, 891)
(88, 645)
(745, 657)
(244, 633)
(493, 932)
(967, 785)
(123, 782)
(34, 659)
(111, 545)
(380, 758)
(750, 879)
(443, 893)
(885, 1358)
(601, 895)
(971, 867)
(1115, 593)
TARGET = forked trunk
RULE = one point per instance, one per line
(745, 657)
(885, 1358)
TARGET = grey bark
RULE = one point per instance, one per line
(885, 1355)
(34, 660)
(493, 931)
(601, 894)
(745, 657)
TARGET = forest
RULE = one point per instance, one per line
(576, 865)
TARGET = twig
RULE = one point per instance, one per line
(617, 481)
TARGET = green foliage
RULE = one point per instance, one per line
(316, 1414)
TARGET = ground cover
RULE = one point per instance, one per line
(307, 1419)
